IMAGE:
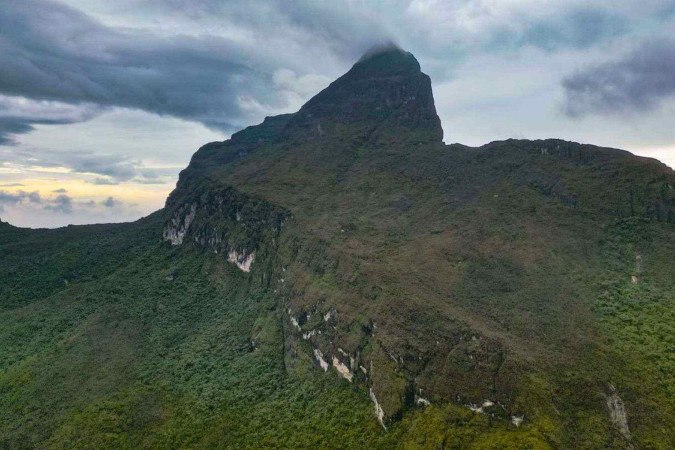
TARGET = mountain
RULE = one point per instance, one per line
(339, 277)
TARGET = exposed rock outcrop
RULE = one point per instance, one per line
(222, 220)
(617, 414)
(179, 224)
(379, 412)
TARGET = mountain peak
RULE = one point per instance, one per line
(387, 58)
(384, 93)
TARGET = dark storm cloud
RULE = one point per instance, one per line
(19, 115)
(638, 82)
(12, 125)
(54, 52)
(337, 26)
(24, 124)
(60, 54)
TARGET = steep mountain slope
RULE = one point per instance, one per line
(518, 294)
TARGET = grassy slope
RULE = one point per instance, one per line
(543, 269)
(132, 359)
(129, 359)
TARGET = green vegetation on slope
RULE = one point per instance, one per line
(176, 348)
(530, 281)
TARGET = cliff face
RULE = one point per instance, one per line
(423, 272)
(224, 221)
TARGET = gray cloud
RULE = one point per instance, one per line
(638, 82)
(47, 61)
(578, 28)
(244, 68)
(34, 197)
(60, 191)
(105, 182)
(62, 203)
(111, 169)
(109, 202)
(11, 125)
(116, 167)
(18, 114)
(15, 198)
(54, 52)
(18, 125)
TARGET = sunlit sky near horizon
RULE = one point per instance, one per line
(103, 103)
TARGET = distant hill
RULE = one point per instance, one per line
(340, 277)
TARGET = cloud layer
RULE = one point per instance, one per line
(56, 53)
(19, 114)
(635, 83)
(61, 203)
(62, 55)
(107, 168)
(224, 64)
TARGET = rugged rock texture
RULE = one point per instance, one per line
(617, 414)
(222, 220)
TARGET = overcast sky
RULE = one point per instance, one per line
(103, 102)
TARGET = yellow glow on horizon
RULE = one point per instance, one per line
(6, 169)
(137, 193)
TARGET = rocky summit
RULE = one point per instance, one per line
(339, 277)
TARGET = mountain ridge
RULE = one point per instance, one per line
(343, 263)
(528, 160)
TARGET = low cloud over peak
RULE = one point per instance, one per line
(54, 52)
(226, 77)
